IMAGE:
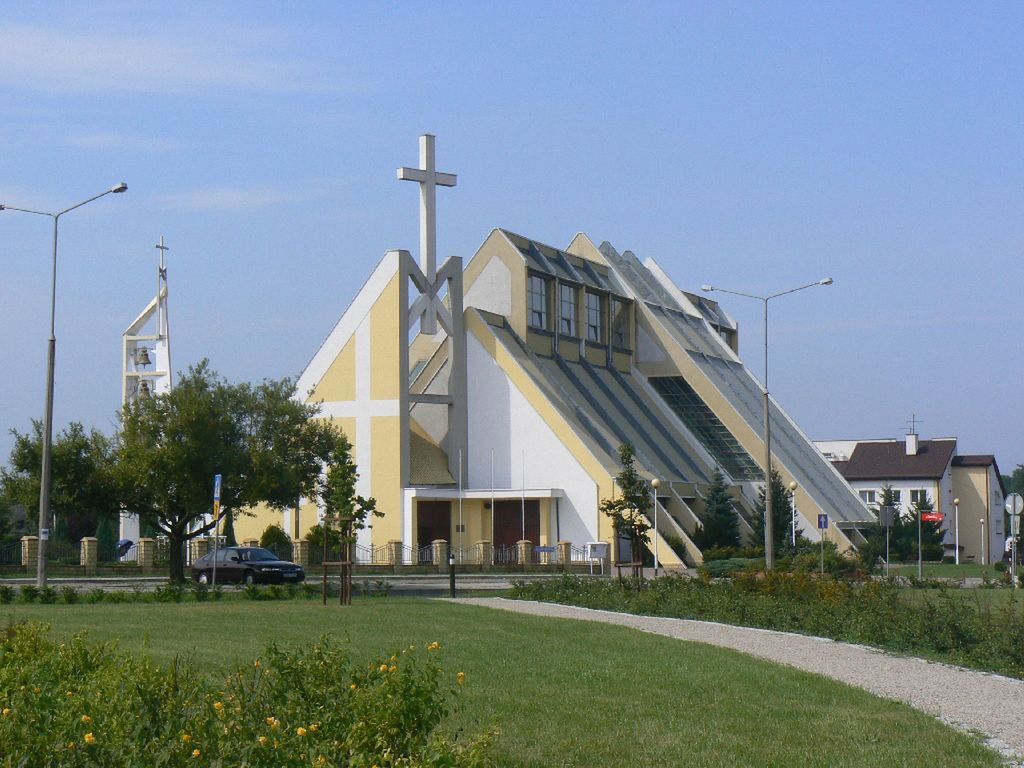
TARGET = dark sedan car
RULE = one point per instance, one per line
(248, 565)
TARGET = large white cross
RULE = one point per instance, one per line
(429, 179)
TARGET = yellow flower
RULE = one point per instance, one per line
(433, 646)
(270, 721)
(314, 727)
(461, 677)
(86, 719)
(392, 668)
(256, 663)
(71, 745)
(383, 667)
(394, 658)
(35, 690)
(89, 738)
(321, 760)
(300, 731)
(7, 711)
(69, 693)
(262, 739)
(353, 687)
(195, 753)
(218, 706)
(186, 738)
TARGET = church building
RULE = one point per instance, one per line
(486, 402)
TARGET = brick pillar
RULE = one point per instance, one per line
(199, 546)
(440, 552)
(30, 553)
(146, 549)
(564, 553)
(88, 549)
(395, 552)
(486, 553)
(300, 552)
(524, 552)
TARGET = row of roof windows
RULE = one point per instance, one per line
(596, 313)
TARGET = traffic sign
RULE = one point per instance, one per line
(1014, 504)
(932, 517)
(216, 487)
(822, 521)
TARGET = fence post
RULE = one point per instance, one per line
(300, 552)
(30, 553)
(88, 554)
(395, 551)
(486, 553)
(146, 549)
(564, 554)
(524, 552)
(439, 552)
(200, 546)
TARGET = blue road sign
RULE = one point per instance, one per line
(216, 487)
(822, 521)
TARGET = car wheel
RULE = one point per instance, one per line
(250, 578)
(203, 578)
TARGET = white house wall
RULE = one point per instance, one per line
(501, 419)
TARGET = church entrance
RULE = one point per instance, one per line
(508, 522)
(433, 521)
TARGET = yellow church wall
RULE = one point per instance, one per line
(385, 482)
(252, 526)
(384, 349)
(339, 383)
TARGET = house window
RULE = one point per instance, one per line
(595, 321)
(537, 301)
(620, 324)
(919, 496)
(567, 310)
(897, 498)
(868, 497)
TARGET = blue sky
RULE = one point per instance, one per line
(753, 146)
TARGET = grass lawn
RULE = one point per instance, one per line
(559, 692)
(947, 570)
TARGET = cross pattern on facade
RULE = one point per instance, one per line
(429, 178)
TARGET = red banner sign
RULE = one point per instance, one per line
(932, 517)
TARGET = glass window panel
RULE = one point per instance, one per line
(567, 310)
(537, 300)
(595, 321)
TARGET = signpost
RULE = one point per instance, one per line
(822, 526)
(1014, 506)
(216, 524)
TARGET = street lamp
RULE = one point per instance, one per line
(956, 530)
(983, 547)
(44, 487)
(792, 509)
(769, 554)
(654, 493)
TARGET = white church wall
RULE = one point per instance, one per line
(525, 447)
(492, 290)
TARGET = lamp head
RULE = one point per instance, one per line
(792, 485)
(825, 281)
(121, 187)
(707, 288)
(655, 483)
(956, 501)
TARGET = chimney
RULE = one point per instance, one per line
(911, 444)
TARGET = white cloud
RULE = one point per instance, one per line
(227, 198)
(123, 141)
(61, 60)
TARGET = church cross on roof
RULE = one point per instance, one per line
(429, 179)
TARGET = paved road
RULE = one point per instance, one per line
(991, 704)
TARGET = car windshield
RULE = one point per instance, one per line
(258, 554)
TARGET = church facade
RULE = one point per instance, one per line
(486, 403)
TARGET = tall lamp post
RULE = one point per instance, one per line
(792, 509)
(956, 530)
(654, 497)
(983, 547)
(769, 553)
(44, 487)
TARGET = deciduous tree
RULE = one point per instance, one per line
(628, 512)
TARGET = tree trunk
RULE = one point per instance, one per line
(176, 540)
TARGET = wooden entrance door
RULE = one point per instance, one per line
(508, 522)
(433, 521)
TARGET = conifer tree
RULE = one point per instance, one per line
(720, 526)
(782, 514)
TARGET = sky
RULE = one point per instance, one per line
(754, 146)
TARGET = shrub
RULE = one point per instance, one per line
(95, 595)
(719, 568)
(277, 541)
(1000, 566)
(171, 592)
(69, 593)
(48, 595)
(29, 593)
(81, 704)
(6, 594)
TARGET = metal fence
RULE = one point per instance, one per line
(10, 553)
(63, 552)
(506, 555)
(373, 555)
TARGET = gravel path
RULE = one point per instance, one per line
(991, 704)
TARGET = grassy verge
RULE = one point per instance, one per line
(562, 693)
(949, 570)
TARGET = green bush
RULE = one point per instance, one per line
(878, 613)
(95, 595)
(6, 594)
(70, 594)
(29, 593)
(80, 704)
(171, 592)
(1000, 566)
(277, 541)
(719, 568)
(48, 595)
(730, 553)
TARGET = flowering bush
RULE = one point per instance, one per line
(83, 704)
